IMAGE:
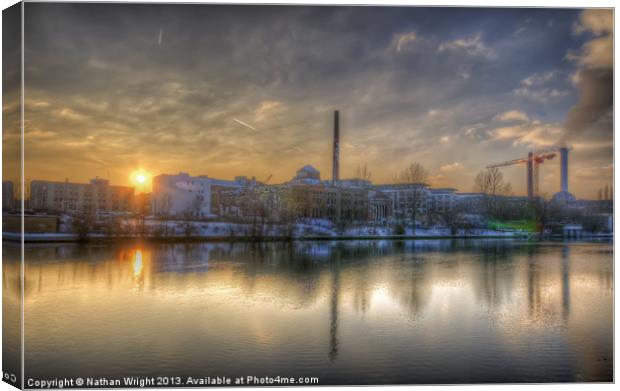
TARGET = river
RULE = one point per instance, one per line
(346, 312)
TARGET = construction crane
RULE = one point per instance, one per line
(532, 161)
(256, 183)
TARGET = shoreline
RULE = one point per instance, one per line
(74, 238)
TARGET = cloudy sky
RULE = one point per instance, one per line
(250, 90)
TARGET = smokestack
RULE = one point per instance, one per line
(336, 157)
(564, 169)
(530, 175)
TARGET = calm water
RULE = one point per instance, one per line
(347, 312)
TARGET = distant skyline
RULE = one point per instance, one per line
(223, 91)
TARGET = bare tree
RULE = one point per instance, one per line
(112, 226)
(606, 193)
(83, 223)
(290, 212)
(188, 228)
(415, 175)
(254, 209)
(161, 210)
(363, 172)
(193, 213)
(541, 210)
(258, 213)
(491, 182)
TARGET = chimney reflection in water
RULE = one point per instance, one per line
(333, 327)
(565, 281)
(533, 283)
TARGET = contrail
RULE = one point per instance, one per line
(161, 35)
(244, 124)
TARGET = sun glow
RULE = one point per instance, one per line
(140, 178)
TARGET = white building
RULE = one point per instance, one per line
(181, 195)
(405, 197)
(441, 200)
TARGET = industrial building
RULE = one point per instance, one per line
(97, 196)
(354, 199)
(8, 195)
(181, 195)
(407, 199)
(326, 200)
(221, 186)
(304, 196)
(307, 196)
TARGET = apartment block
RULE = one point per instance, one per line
(97, 196)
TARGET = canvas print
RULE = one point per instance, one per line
(204, 195)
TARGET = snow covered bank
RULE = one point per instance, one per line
(225, 231)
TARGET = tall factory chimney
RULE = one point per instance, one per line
(336, 156)
(564, 169)
(530, 175)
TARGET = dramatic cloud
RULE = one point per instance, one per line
(224, 90)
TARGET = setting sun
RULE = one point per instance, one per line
(140, 178)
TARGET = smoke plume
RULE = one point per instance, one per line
(592, 116)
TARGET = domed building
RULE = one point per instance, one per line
(307, 175)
